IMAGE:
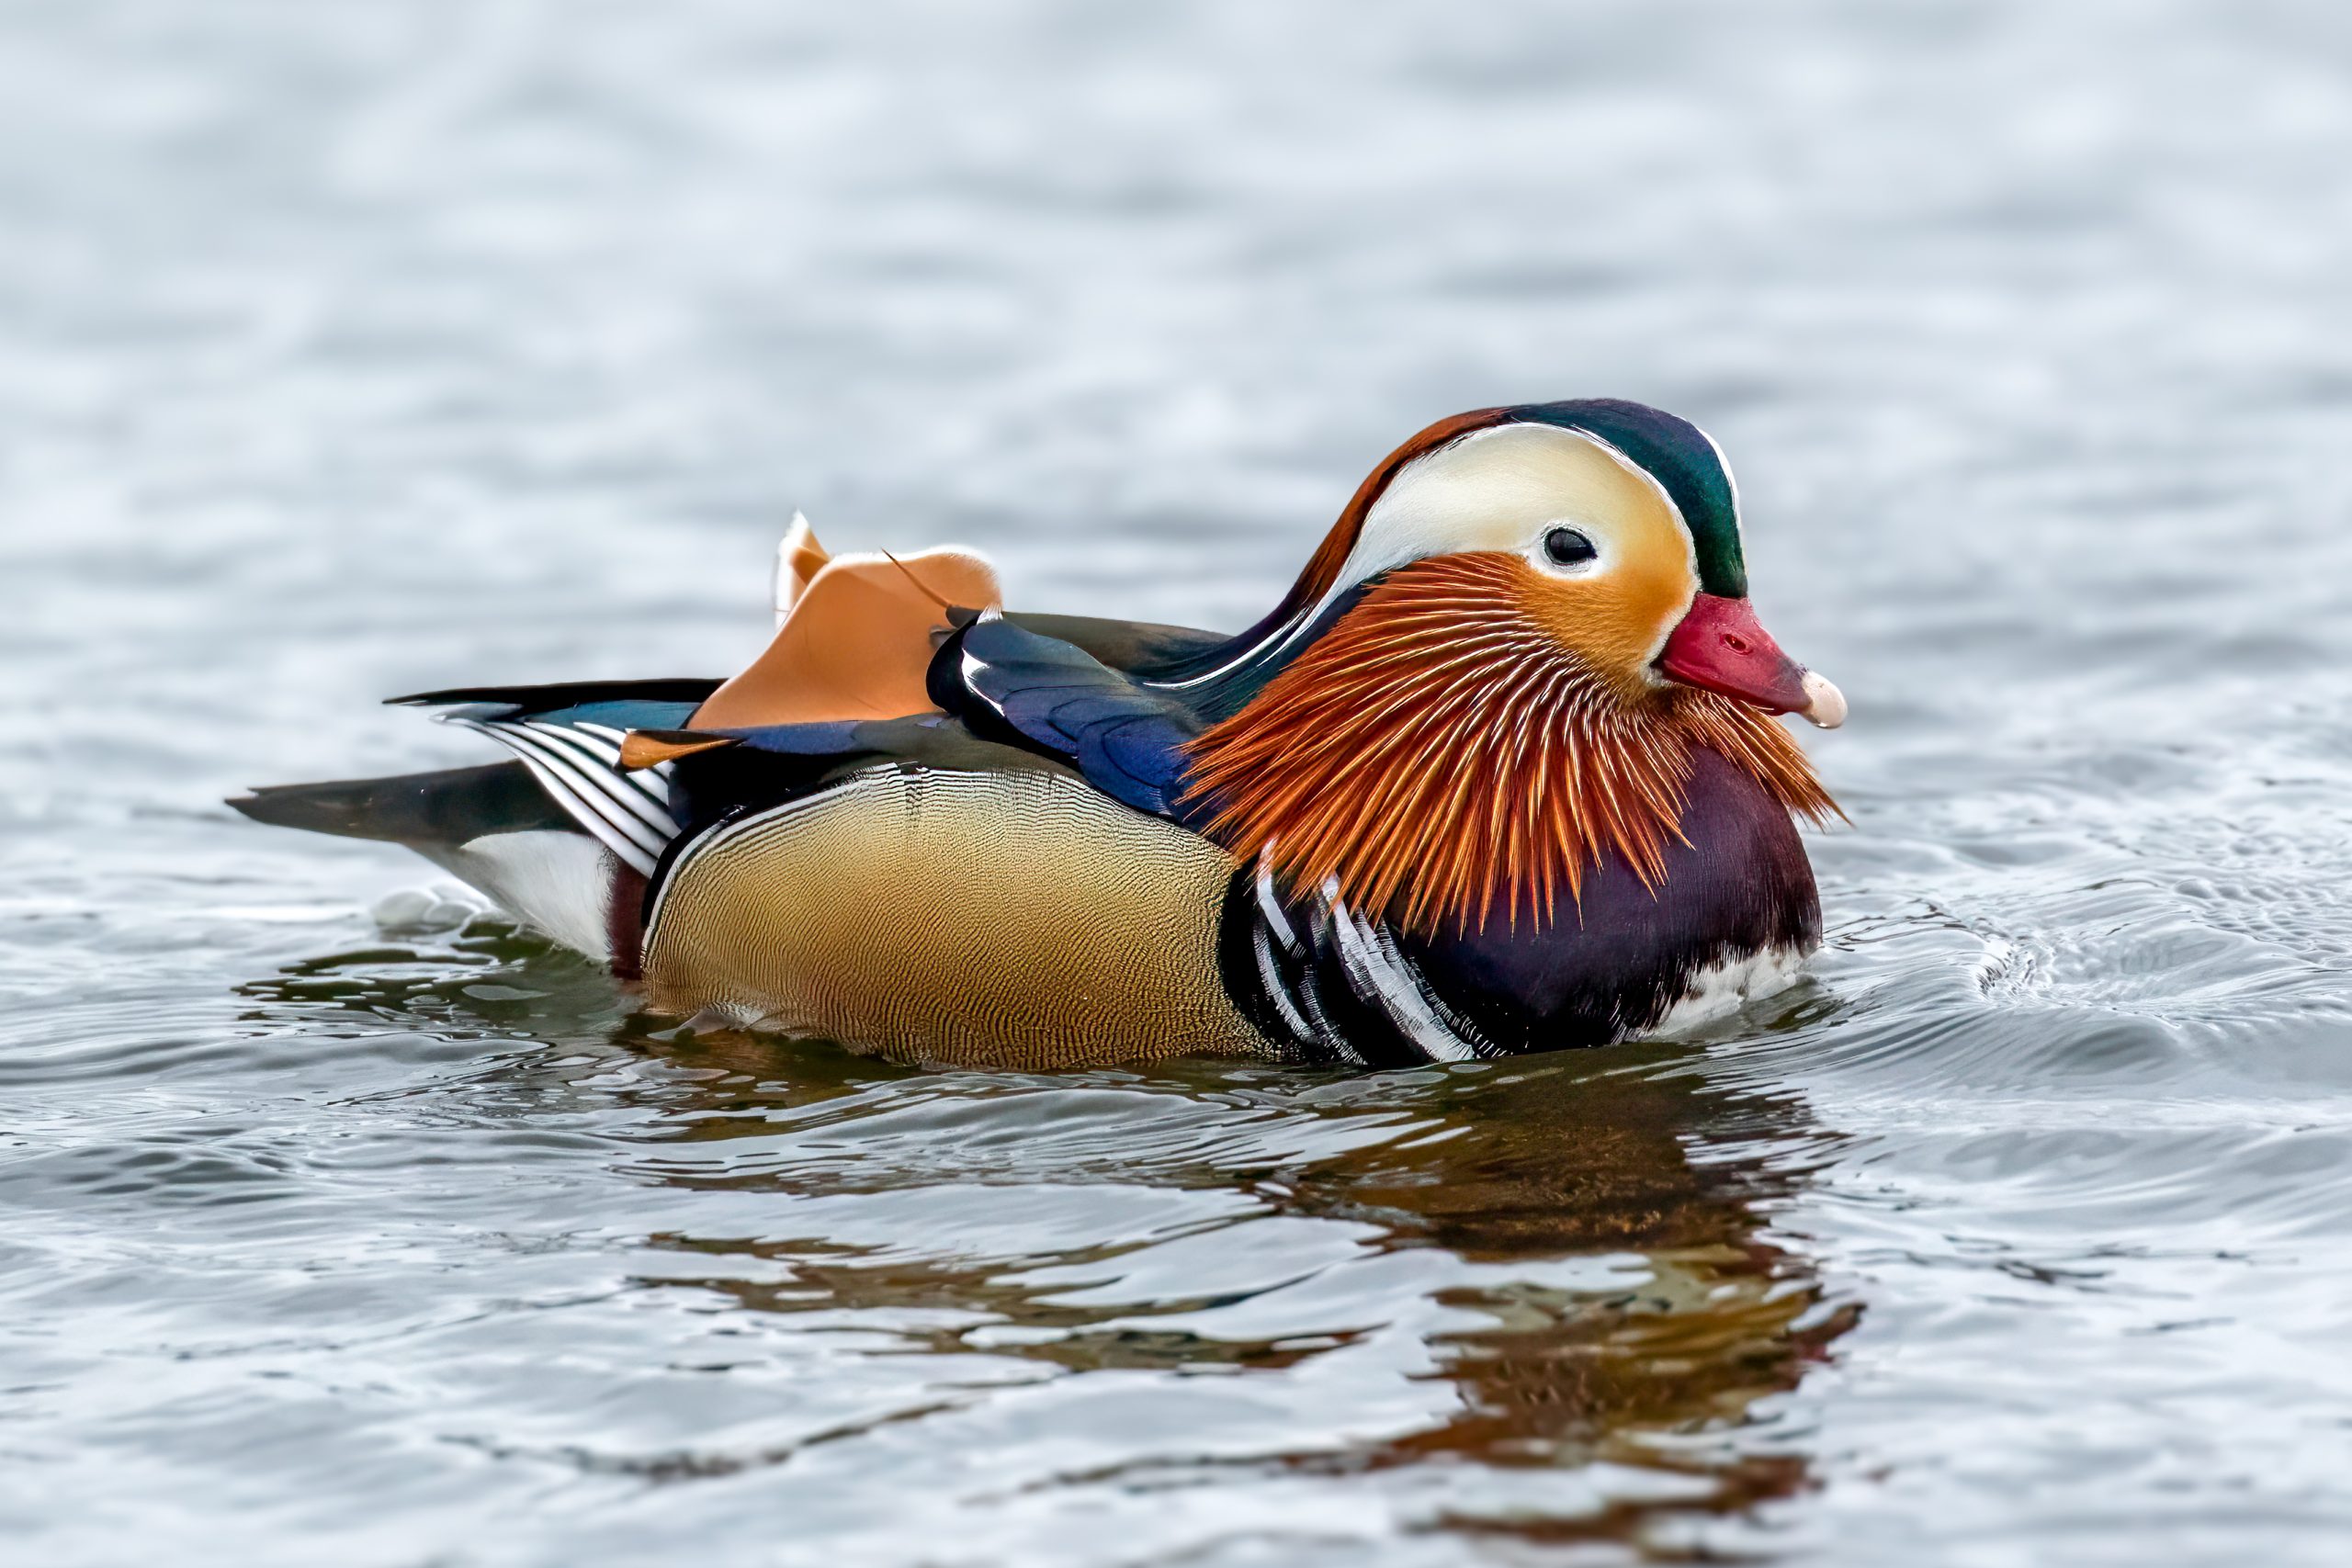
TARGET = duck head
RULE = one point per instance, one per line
(1623, 525)
(1493, 670)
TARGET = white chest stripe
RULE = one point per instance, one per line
(1270, 906)
(1388, 983)
(1269, 977)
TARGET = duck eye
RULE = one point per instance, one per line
(1565, 547)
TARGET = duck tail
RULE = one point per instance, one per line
(496, 830)
(446, 809)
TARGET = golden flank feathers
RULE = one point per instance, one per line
(1439, 754)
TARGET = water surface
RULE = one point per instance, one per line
(347, 351)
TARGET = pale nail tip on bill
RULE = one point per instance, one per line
(1827, 708)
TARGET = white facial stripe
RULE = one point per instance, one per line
(1682, 525)
(1497, 489)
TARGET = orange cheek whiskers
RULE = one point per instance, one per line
(1441, 755)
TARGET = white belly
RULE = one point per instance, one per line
(1719, 992)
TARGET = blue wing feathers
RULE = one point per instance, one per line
(1125, 739)
(828, 740)
(1004, 681)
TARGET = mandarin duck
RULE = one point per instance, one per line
(1500, 773)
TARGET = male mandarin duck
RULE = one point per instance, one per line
(1500, 773)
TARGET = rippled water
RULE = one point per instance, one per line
(351, 349)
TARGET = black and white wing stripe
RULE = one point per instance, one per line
(579, 764)
(1327, 984)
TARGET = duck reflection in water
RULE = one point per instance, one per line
(1640, 1160)
(1586, 1235)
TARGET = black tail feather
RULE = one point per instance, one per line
(447, 807)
